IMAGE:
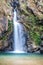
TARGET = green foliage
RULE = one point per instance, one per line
(34, 29)
(4, 38)
(33, 19)
(35, 36)
(10, 25)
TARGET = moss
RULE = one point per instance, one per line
(9, 25)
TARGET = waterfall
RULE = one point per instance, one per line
(19, 35)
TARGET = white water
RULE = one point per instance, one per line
(19, 38)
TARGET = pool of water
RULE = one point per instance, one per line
(21, 54)
(21, 59)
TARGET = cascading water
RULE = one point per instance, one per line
(19, 35)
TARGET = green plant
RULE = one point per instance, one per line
(10, 25)
(35, 37)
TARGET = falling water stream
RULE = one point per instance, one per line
(19, 35)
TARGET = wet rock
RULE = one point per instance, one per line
(15, 3)
(10, 40)
(32, 48)
(41, 48)
(41, 37)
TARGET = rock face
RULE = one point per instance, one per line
(35, 5)
(7, 45)
(3, 24)
(5, 14)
